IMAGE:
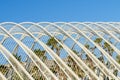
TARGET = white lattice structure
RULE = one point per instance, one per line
(23, 38)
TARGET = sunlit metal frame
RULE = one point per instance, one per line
(55, 57)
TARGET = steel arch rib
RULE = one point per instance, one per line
(70, 37)
(85, 51)
(48, 50)
(84, 48)
(68, 50)
(53, 54)
(93, 43)
(118, 51)
(27, 50)
(113, 26)
(2, 76)
(107, 31)
(63, 71)
(14, 26)
(38, 38)
(56, 58)
(107, 55)
(6, 53)
(71, 53)
(34, 62)
(102, 50)
(50, 35)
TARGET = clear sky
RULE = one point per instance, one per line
(59, 10)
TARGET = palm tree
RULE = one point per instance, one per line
(3, 69)
(40, 54)
(108, 48)
(98, 40)
(54, 45)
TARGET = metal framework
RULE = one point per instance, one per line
(23, 38)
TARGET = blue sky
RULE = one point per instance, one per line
(59, 10)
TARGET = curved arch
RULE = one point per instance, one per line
(93, 43)
(107, 55)
(48, 50)
(71, 53)
(7, 54)
(103, 51)
(87, 51)
(2, 76)
(44, 29)
(54, 56)
(117, 50)
(31, 54)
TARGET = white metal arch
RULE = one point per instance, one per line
(65, 47)
(27, 50)
(92, 42)
(65, 68)
(55, 56)
(22, 47)
(103, 51)
(87, 51)
(2, 76)
(8, 54)
(47, 49)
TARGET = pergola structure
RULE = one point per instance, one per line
(93, 47)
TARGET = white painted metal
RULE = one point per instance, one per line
(88, 52)
(2, 76)
(71, 53)
(58, 29)
(28, 51)
(14, 62)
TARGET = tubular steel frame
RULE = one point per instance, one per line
(66, 29)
